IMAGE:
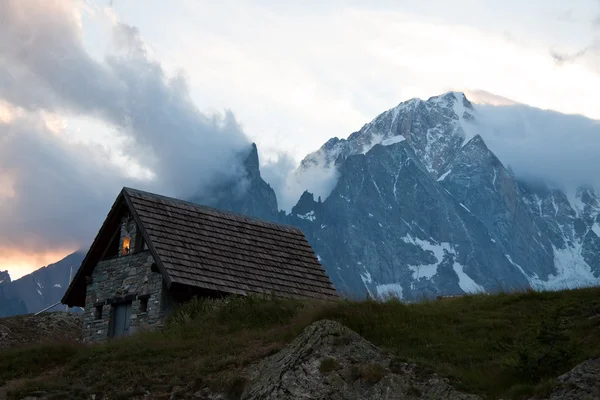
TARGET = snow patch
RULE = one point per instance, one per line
(366, 277)
(596, 229)
(58, 285)
(370, 215)
(444, 175)
(465, 282)
(428, 271)
(572, 271)
(575, 201)
(508, 257)
(393, 140)
(389, 290)
(309, 216)
(424, 271)
(319, 258)
(465, 207)
(39, 292)
(459, 109)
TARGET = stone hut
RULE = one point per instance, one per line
(153, 252)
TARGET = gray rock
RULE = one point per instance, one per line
(329, 361)
(581, 383)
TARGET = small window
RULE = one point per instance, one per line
(126, 245)
(144, 305)
(98, 312)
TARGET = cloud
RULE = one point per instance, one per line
(289, 181)
(563, 58)
(485, 97)
(58, 190)
(61, 186)
(591, 49)
(540, 144)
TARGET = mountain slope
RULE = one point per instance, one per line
(389, 227)
(40, 289)
(504, 232)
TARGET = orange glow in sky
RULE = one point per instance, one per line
(19, 263)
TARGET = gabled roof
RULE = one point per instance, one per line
(202, 247)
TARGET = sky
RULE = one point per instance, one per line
(100, 94)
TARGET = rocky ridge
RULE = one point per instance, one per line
(329, 361)
(423, 208)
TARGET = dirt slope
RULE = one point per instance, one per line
(46, 327)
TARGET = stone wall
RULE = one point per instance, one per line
(125, 278)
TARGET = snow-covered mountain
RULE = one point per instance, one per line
(420, 207)
(423, 207)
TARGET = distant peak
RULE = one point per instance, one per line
(4, 277)
(452, 97)
(306, 195)
(251, 163)
(476, 142)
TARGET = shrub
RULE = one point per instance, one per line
(370, 373)
(328, 365)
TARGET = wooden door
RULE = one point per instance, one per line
(122, 319)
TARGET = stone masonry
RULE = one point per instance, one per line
(125, 278)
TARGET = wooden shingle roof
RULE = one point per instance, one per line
(203, 247)
(206, 248)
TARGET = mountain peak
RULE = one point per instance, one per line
(452, 97)
(251, 163)
(4, 277)
(476, 141)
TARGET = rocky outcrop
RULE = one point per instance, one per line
(581, 383)
(329, 361)
(250, 195)
(4, 277)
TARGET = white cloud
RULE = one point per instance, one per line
(62, 182)
(562, 149)
(302, 75)
(289, 183)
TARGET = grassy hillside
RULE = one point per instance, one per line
(505, 345)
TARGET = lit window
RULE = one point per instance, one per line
(126, 244)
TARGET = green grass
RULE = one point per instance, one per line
(505, 345)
